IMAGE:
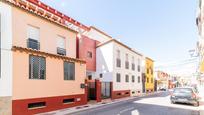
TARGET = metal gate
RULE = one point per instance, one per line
(105, 90)
(91, 91)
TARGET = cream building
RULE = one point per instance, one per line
(121, 65)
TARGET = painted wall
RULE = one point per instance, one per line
(104, 62)
(123, 85)
(53, 85)
(48, 33)
(149, 64)
(202, 66)
(6, 53)
(86, 44)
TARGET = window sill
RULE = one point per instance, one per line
(68, 103)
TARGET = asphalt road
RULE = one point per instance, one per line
(158, 104)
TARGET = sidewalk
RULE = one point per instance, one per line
(92, 105)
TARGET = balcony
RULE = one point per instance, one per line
(33, 44)
(61, 51)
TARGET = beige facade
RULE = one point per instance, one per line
(53, 88)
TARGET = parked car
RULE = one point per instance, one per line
(185, 95)
(163, 89)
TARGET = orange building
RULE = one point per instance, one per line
(40, 53)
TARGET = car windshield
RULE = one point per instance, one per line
(183, 90)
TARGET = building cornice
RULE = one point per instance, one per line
(44, 11)
(45, 54)
(116, 41)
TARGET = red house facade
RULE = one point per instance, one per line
(86, 50)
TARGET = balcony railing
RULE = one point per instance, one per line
(33, 44)
(61, 51)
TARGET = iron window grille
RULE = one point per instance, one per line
(37, 67)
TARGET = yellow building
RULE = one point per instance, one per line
(202, 67)
(149, 73)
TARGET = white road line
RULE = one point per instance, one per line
(128, 109)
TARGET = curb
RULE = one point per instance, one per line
(93, 106)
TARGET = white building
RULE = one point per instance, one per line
(121, 65)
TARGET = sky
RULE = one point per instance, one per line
(163, 30)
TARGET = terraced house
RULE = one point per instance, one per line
(40, 71)
(119, 65)
(149, 74)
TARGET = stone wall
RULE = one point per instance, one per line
(5, 106)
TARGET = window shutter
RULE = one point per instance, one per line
(60, 42)
(33, 33)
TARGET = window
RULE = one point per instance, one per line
(100, 75)
(133, 63)
(36, 105)
(151, 80)
(69, 71)
(126, 62)
(118, 60)
(37, 67)
(126, 78)
(118, 54)
(133, 78)
(147, 80)
(61, 50)
(33, 35)
(151, 71)
(89, 54)
(118, 79)
(147, 70)
(126, 65)
(138, 68)
(126, 57)
(138, 80)
(68, 101)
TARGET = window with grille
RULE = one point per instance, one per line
(126, 78)
(37, 67)
(151, 80)
(69, 71)
(118, 79)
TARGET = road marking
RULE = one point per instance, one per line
(125, 110)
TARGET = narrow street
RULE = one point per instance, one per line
(158, 104)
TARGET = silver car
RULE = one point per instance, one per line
(185, 95)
